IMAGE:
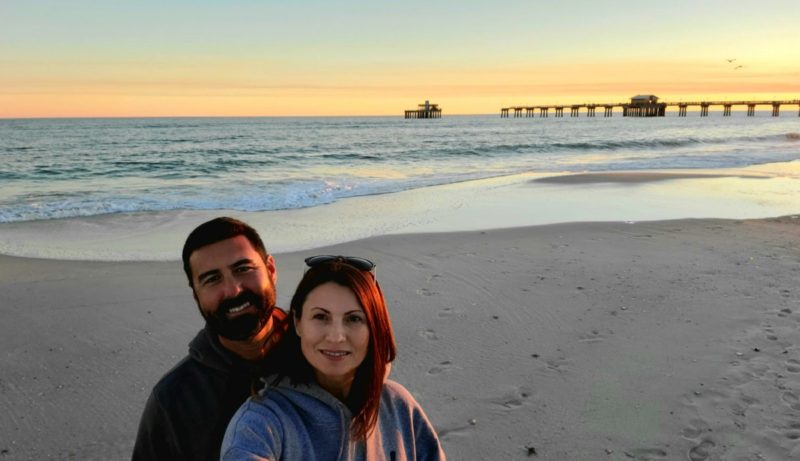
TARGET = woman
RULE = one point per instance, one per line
(331, 399)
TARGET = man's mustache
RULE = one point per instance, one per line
(245, 297)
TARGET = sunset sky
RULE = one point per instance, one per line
(258, 57)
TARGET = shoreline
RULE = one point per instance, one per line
(519, 200)
(602, 340)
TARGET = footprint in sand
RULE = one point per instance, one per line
(646, 454)
(702, 451)
(592, 337)
(793, 435)
(514, 399)
(791, 399)
(426, 292)
(441, 368)
(738, 409)
(793, 366)
(447, 312)
(696, 428)
(429, 335)
(434, 277)
(794, 431)
(447, 432)
(559, 365)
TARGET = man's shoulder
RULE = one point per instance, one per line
(184, 374)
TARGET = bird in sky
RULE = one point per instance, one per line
(730, 60)
(738, 67)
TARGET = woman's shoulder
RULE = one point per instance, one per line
(395, 390)
(254, 429)
(399, 400)
(401, 412)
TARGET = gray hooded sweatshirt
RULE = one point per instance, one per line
(305, 422)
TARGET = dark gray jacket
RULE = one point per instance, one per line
(187, 412)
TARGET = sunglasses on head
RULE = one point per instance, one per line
(359, 263)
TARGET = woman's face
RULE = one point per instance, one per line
(334, 336)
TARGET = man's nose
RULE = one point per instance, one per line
(231, 287)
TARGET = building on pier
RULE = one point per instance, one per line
(644, 105)
(426, 110)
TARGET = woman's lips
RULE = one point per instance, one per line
(334, 355)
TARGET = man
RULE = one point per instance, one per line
(233, 281)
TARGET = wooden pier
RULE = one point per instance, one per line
(645, 106)
(426, 110)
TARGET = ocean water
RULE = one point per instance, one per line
(66, 168)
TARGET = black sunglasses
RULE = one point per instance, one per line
(359, 263)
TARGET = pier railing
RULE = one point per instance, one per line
(642, 110)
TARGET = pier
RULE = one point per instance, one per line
(644, 106)
(426, 110)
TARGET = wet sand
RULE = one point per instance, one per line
(630, 177)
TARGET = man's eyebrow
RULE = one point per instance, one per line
(207, 274)
(242, 261)
(238, 263)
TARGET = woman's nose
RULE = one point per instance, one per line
(336, 332)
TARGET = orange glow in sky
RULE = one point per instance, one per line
(249, 58)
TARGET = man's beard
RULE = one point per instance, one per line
(244, 326)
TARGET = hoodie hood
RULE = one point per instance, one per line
(206, 349)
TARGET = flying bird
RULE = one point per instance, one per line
(730, 60)
(738, 67)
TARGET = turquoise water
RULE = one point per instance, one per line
(57, 168)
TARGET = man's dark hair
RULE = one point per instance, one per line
(214, 231)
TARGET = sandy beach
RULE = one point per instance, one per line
(656, 340)
(587, 231)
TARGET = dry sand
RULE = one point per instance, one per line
(658, 340)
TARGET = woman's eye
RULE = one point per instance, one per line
(318, 316)
(355, 319)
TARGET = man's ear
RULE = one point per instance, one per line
(271, 269)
